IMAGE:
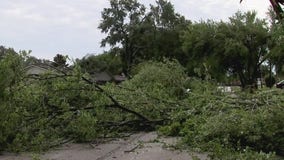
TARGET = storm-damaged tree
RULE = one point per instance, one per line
(11, 72)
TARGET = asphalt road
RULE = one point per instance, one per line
(140, 146)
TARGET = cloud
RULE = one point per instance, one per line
(49, 27)
(53, 12)
(260, 6)
(217, 9)
(203, 9)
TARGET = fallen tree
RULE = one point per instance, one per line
(66, 104)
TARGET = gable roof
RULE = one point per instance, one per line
(101, 77)
(35, 70)
(42, 68)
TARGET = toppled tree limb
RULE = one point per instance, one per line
(61, 142)
(141, 122)
(136, 123)
(115, 104)
(153, 97)
(51, 76)
(133, 149)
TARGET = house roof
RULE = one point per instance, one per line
(36, 70)
(41, 68)
(101, 77)
(119, 78)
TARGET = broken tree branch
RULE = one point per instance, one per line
(115, 104)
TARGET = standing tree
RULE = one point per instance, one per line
(60, 60)
(163, 33)
(5, 51)
(237, 47)
(120, 23)
(142, 35)
(276, 43)
(245, 49)
(277, 47)
(199, 43)
(275, 13)
(98, 63)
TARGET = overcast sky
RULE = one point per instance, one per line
(49, 27)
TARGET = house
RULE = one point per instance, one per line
(104, 77)
(119, 78)
(44, 68)
(36, 70)
(97, 77)
(101, 77)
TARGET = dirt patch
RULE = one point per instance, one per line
(141, 146)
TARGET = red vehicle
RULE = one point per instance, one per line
(280, 84)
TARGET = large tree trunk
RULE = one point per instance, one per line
(242, 80)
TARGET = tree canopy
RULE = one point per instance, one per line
(235, 47)
(208, 49)
(142, 34)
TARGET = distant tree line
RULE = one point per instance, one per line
(242, 49)
(245, 47)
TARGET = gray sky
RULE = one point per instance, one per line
(49, 27)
